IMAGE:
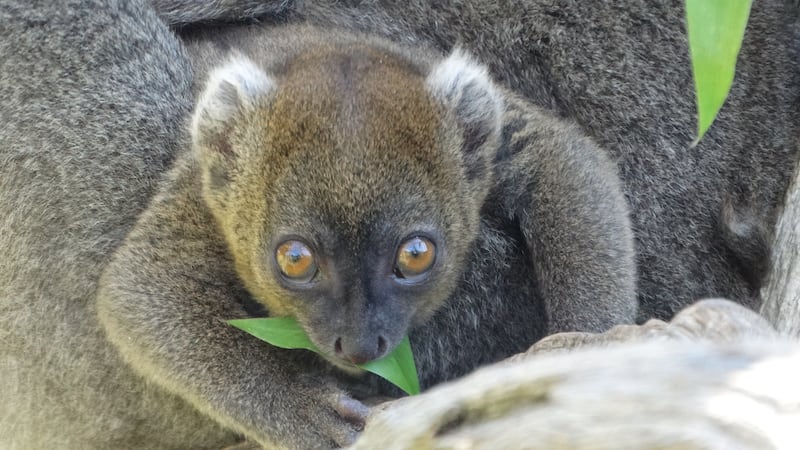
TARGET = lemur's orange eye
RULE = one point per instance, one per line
(415, 257)
(296, 261)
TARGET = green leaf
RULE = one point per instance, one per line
(283, 332)
(397, 367)
(716, 29)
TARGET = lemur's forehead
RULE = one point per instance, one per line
(358, 133)
(355, 100)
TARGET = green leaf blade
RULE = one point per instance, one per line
(397, 367)
(715, 29)
(283, 332)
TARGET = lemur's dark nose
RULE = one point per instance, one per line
(360, 351)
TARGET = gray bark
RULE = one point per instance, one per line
(716, 376)
(640, 396)
(781, 295)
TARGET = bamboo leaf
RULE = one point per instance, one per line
(716, 29)
(397, 367)
(283, 332)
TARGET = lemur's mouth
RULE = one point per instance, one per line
(343, 364)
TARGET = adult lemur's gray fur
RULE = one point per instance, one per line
(85, 137)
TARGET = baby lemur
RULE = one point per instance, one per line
(369, 190)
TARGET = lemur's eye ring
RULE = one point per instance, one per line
(415, 257)
(296, 261)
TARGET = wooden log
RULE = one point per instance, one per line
(782, 292)
(717, 376)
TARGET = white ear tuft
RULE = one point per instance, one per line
(466, 88)
(237, 85)
(457, 70)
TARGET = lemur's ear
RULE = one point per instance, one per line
(467, 90)
(230, 90)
